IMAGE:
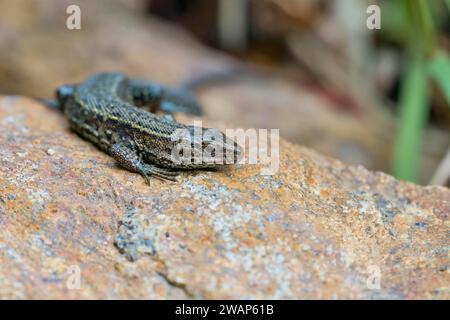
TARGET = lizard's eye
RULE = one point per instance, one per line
(64, 92)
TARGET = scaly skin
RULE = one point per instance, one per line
(104, 110)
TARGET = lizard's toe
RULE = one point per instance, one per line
(162, 173)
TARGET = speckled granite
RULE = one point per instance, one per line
(317, 229)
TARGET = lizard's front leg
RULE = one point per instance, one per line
(128, 158)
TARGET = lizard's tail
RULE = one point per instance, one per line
(51, 103)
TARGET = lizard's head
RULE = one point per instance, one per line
(219, 149)
(64, 92)
(198, 148)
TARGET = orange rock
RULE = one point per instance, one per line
(231, 234)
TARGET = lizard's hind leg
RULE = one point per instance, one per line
(158, 97)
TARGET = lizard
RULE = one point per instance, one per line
(107, 110)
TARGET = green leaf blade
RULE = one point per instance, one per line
(414, 103)
(439, 70)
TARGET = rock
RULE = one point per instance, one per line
(316, 229)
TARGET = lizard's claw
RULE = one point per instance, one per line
(161, 173)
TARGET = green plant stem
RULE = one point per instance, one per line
(439, 69)
(423, 37)
(413, 113)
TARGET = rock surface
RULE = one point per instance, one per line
(317, 229)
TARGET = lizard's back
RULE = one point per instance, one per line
(99, 100)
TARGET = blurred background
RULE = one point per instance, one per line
(312, 68)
